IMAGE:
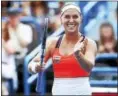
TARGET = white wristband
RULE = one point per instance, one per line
(33, 66)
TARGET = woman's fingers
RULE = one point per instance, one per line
(37, 59)
(38, 67)
(85, 41)
(81, 46)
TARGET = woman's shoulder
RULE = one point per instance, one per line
(92, 44)
(51, 41)
(91, 41)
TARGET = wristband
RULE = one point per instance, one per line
(33, 68)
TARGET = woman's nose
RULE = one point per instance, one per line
(71, 19)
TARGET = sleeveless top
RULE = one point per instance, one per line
(67, 66)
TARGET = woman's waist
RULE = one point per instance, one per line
(77, 80)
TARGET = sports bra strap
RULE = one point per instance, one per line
(60, 39)
(82, 38)
(59, 42)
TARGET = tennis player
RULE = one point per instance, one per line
(73, 56)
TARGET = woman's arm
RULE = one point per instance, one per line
(7, 45)
(34, 65)
(87, 60)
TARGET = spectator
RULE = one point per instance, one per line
(4, 6)
(26, 8)
(107, 42)
(39, 8)
(8, 63)
(18, 32)
(18, 36)
(55, 25)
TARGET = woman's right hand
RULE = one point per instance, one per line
(38, 67)
(35, 66)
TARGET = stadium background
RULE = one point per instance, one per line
(94, 14)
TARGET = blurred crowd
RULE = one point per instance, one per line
(21, 34)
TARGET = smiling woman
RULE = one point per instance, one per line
(68, 52)
(71, 18)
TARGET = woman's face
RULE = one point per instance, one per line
(14, 19)
(71, 20)
(106, 32)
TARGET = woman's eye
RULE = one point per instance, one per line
(75, 16)
(67, 16)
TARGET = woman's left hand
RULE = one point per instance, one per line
(80, 47)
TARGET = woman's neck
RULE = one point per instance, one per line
(73, 38)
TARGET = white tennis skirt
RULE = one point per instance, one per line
(71, 86)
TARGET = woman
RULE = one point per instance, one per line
(8, 60)
(73, 56)
(107, 42)
(39, 8)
